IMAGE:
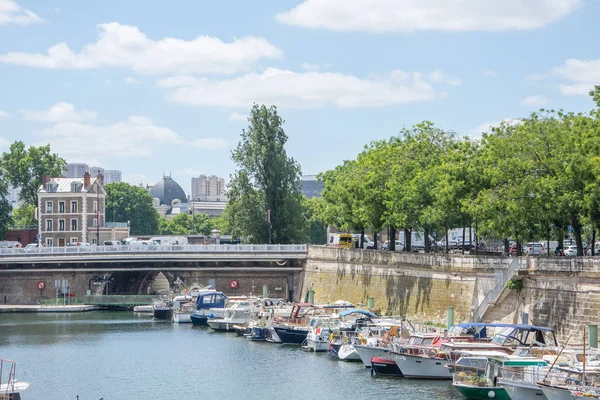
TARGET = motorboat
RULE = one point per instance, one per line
(183, 314)
(384, 367)
(143, 309)
(380, 339)
(164, 311)
(235, 315)
(349, 332)
(209, 304)
(10, 387)
(293, 330)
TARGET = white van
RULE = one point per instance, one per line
(170, 240)
(417, 241)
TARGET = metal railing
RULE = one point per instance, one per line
(152, 249)
(102, 300)
(495, 293)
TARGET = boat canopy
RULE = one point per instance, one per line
(358, 311)
(479, 331)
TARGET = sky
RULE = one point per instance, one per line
(152, 87)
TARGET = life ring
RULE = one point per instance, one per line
(433, 353)
(318, 331)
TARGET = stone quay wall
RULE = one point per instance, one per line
(418, 286)
(560, 292)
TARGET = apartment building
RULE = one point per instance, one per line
(72, 210)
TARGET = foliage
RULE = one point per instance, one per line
(125, 202)
(23, 216)
(185, 224)
(23, 168)
(266, 179)
(5, 208)
(514, 285)
(317, 230)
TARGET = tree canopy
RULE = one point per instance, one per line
(24, 167)
(125, 202)
(526, 180)
(266, 184)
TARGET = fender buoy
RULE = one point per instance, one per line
(318, 331)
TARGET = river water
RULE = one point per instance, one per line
(122, 355)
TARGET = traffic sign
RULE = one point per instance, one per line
(41, 285)
(233, 284)
(38, 236)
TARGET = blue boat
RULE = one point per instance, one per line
(206, 301)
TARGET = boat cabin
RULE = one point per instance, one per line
(212, 299)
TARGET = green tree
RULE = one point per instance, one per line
(5, 208)
(316, 230)
(24, 168)
(185, 224)
(267, 180)
(125, 202)
(24, 216)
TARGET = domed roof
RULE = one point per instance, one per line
(167, 190)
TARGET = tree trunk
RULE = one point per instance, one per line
(561, 241)
(519, 250)
(407, 240)
(462, 244)
(362, 238)
(447, 240)
(374, 239)
(427, 244)
(470, 237)
(548, 238)
(476, 237)
(392, 239)
(506, 246)
(577, 230)
(593, 242)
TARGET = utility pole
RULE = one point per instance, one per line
(97, 213)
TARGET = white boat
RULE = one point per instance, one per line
(183, 313)
(10, 388)
(143, 309)
(234, 316)
(347, 352)
(521, 389)
(367, 352)
(421, 366)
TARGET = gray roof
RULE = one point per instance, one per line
(64, 185)
(167, 190)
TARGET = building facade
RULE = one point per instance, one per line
(112, 176)
(76, 170)
(311, 187)
(209, 188)
(14, 196)
(72, 210)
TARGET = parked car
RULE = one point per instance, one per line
(534, 248)
(112, 243)
(571, 250)
(31, 247)
(513, 249)
(596, 250)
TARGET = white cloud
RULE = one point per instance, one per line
(439, 76)
(581, 75)
(4, 114)
(60, 112)
(487, 127)
(238, 117)
(11, 13)
(191, 172)
(132, 81)
(314, 67)
(438, 15)
(490, 72)
(309, 89)
(131, 138)
(210, 143)
(127, 47)
(535, 100)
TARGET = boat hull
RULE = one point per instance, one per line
(422, 367)
(366, 353)
(199, 320)
(482, 393)
(347, 352)
(522, 390)
(384, 367)
(556, 393)
(290, 335)
(163, 313)
(181, 318)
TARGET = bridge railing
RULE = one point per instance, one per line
(103, 300)
(210, 248)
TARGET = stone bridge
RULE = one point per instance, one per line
(27, 277)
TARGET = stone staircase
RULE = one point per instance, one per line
(514, 272)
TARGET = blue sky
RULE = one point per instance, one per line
(150, 86)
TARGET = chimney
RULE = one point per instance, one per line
(86, 180)
(101, 178)
(46, 179)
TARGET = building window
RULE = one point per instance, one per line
(74, 206)
(61, 207)
(74, 240)
(95, 222)
(95, 208)
(61, 225)
(48, 207)
(49, 225)
(49, 242)
(94, 241)
(74, 224)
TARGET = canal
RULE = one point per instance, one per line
(122, 355)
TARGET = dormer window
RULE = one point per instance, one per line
(51, 186)
(76, 186)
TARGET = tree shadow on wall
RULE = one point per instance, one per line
(399, 290)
